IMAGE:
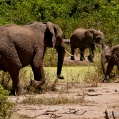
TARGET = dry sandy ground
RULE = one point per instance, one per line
(96, 100)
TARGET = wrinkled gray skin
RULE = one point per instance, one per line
(85, 38)
(24, 45)
(109, 55)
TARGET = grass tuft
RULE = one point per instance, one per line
(54, 100)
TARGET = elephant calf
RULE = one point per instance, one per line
(109, 55)
(85, 38)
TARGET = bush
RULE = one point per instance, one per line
(5, 105)
(68, 14)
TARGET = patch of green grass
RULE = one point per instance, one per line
(69, 73)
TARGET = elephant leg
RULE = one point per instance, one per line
(91, 56)
(38, 76)
(82, 54)
(16, 87)
(13, 65)
(13, 70)
(109, 70)
(37, 67)
(72, 52)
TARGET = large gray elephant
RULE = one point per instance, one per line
(109, 55)
(85, 38)
(24, 45)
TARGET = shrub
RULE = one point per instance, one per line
(98, 14)
(5, 105)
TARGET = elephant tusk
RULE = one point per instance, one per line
(68, 53)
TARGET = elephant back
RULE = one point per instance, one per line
(78, 38)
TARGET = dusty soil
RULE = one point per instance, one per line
(95, 101)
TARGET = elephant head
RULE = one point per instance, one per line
(57, 42)
(95, 36)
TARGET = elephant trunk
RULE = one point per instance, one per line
(61, 53)
(103, 61)
(103, 45)
(105, 57)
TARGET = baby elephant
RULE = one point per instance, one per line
(109, 55)
(85, 38)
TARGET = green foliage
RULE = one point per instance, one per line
(68, 14)
(5, 105)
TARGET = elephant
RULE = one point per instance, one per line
(23, 45)
(109, 55)
(85, 38)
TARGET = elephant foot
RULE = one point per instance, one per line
(90, 59)
(18, 92)
(60, 77)
(82, 58)
(12, 92)
(36, 84)
(112, 76)
(72, 58)
(105, 81)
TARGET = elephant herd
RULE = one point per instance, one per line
(26, 45)
(87, 38)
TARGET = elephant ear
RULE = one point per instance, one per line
(56, 34)
(50, 26)
(89, 34)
